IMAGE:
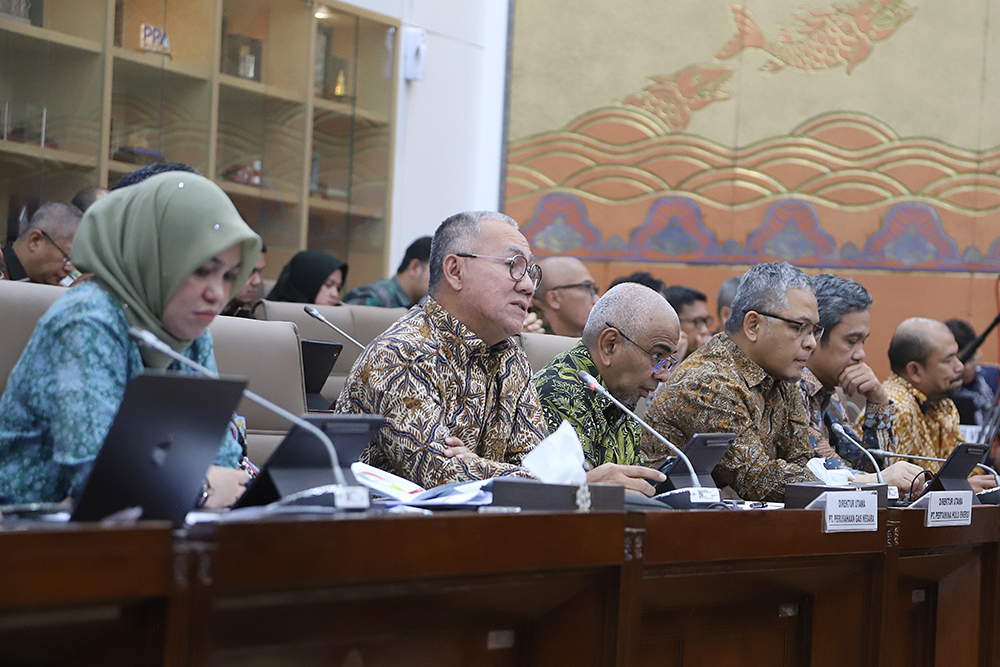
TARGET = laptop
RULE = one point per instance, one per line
(704, 450)
(318, 359)
(302, 462)
(166, 434)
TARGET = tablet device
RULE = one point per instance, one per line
(166, 434)
(318, 359)
(302, 462)
(704, 450)
(954, 472)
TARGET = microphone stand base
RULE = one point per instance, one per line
(691, 498)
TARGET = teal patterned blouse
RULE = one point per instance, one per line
(64, 393)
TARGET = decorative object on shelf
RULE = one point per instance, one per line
(154, 40)
(18, 10)
(241, 56)
(119, 21)
(331, 71)
(246, 172)
(26, 124)
(132, 144)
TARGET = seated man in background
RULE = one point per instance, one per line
(565, 296)
(626, 346)
(839, 360)
(743, 381)
(692, 309)
(41, 252)
(404, 289)
(974, 398)
(926, 370)
(724, 300)
(84, 198)
(246, 301)
(455, 390)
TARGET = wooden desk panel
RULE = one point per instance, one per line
(444, 590)
(84, 594)
(759, 588)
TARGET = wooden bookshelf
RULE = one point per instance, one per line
(290, 113)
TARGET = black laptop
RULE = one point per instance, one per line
(166, 434)
(704, 450)
(318, 359)
(302, 462)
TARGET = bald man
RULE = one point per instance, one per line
(565, 296)
(628, 345)
(923, 356)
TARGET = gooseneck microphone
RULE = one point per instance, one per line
(839, 428)
(148, 340)
(594, 385)
(312, 312)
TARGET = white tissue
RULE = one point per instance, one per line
(835, 477)
(558, 459)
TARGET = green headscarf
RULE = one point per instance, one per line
(143, 241)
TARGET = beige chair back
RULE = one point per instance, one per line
(269, 356)
(21, 306)
(363, 323)
(542, 348)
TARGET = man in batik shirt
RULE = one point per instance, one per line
(455, 390)
(627, 345)
(926, 369)
(839, 360)
(743, 381)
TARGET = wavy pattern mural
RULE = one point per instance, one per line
(840, 190)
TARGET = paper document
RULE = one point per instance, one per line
(408, 493)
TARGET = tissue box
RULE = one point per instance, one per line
(530, 495)
(800, 494)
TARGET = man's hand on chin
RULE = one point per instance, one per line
(633, 478)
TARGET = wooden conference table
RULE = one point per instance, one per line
(602, 588)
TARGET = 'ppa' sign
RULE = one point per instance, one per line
(153, 39)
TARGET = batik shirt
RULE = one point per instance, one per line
(388, 293)
(922, 427)
(825, 410)
(65, 391)
(718, 389)
(607, 434)
(430, 376)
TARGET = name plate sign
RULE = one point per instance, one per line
(948, 508)
(850, 511)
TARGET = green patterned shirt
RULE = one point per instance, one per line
(607, 434)
(388, 293)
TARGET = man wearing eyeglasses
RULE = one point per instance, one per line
(743, 381)
(692, 309)
(565, 296)
(628, 345)
(41, 252)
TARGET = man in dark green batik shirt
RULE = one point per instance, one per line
(627, 345)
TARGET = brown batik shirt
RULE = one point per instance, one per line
(718, 389)
(430, 376)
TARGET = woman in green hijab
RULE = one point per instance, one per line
(166, 254)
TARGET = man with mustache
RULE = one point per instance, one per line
(628, 344)
(743, 381)
(923, 356)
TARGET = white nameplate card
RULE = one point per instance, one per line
(847, 511)
(946, 508)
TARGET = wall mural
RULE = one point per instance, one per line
(841, 190)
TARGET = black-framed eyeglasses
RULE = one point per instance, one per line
(66, 260)
(707, 321)
(800, 328)
(518, 266)
(659, 361)
(588, 285)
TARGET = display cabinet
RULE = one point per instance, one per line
(287, 104)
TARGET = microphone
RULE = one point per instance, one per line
(839, 428)
(312, 312)
(148, 340)
(593, 384)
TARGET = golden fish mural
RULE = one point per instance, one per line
(673, 97)
(827, 38)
